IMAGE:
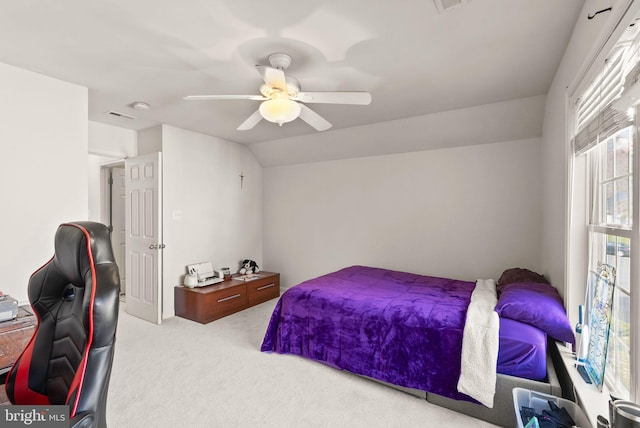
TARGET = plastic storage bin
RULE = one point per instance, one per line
(538, 402)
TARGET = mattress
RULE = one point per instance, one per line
(523, 350)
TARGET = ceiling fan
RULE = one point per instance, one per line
(282, 99)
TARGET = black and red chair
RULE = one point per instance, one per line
(75, 297)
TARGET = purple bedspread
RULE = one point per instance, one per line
(397, 327)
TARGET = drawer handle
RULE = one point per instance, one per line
(266, 286)
(229, 298)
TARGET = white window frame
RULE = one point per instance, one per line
(619, 231)
(576, 280)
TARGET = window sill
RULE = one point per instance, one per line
(592, 401)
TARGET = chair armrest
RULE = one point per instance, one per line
(83, 420)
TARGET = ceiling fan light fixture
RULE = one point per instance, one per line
(282, 98)
(280, 110)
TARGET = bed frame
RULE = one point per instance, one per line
(503, 411)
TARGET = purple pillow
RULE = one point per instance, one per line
(536, 304)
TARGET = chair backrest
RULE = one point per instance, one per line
(75, 297)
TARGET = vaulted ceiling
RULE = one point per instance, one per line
(411, 57)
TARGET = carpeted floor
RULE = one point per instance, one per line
(184, 374)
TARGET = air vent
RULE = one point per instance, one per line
(445, 5)
(121, 115)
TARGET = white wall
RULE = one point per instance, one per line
(94, 164)
(511, 120)
(465, 212)
(207, 215)
(150, 140)
(43, 139)
(112, 141)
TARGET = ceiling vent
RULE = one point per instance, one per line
(121, 115)
(445, 5)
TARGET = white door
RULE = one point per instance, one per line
(143, 182)
(118, 231)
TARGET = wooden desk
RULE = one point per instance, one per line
(14, 337)
(209, 303)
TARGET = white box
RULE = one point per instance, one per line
(538, 402)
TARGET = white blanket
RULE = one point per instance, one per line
(480, 344)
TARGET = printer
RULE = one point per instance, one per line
(8, 307)
(204, 273)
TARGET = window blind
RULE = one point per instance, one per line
(607, 122)
(594, 114)
(596, 117)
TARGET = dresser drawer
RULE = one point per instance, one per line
(209, 303)
(223, 302)
(263, 289)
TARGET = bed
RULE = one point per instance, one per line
(406, 330)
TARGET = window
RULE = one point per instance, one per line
(610, 242)
(604, 133)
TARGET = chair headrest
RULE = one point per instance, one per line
(76, 243)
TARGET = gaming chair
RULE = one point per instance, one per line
(75, 297)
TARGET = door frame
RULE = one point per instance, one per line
(105, 201)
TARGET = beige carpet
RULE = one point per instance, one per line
(184, 374)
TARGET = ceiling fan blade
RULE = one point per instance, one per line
(362, 98)
(251, 121)
(225, 97)
(273, 77)
(313, 118)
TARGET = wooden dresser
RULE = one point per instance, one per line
(206, 304)
(14, 337)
